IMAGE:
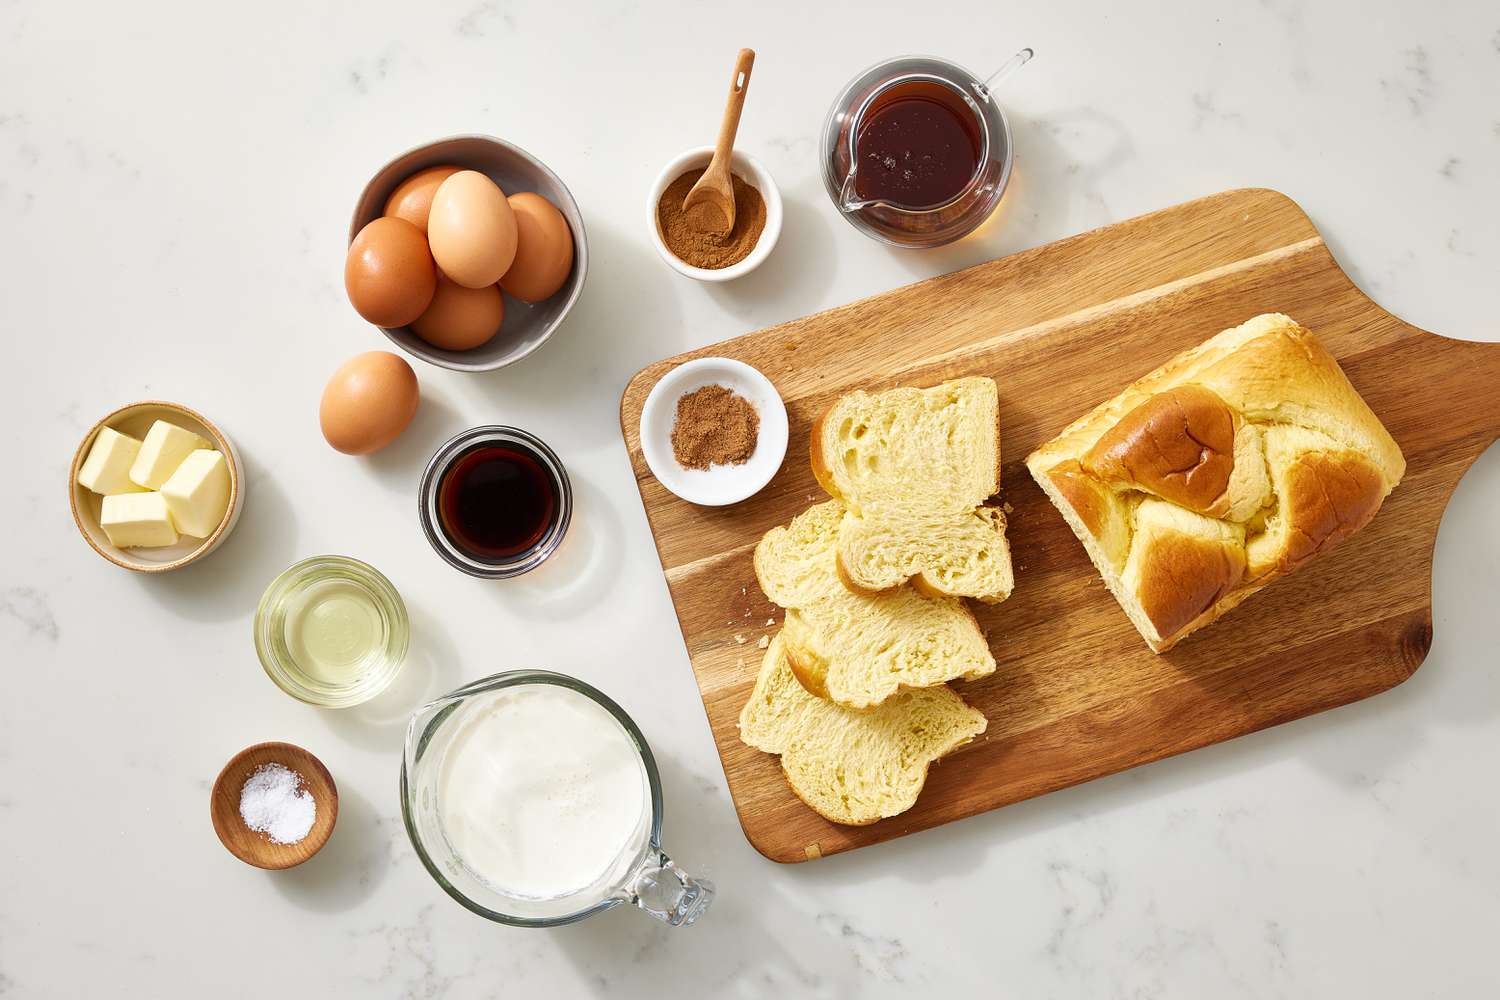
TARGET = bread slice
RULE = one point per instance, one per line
(860, 649)
(853, 767)
(913, 468)
(1227, 467)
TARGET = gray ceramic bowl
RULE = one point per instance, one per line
(526, 327)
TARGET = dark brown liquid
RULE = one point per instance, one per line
(496, 501)
(918, 147)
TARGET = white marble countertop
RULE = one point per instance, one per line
(175, 183)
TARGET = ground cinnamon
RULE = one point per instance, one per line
(715, 426)
(693, 239)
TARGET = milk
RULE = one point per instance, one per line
(542, 794)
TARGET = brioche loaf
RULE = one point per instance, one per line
(913, 468)
(1227, 467)
(853, 767)
(859, 649)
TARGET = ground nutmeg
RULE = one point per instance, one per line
(696, 244)
(715, 426)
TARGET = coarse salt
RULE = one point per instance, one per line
(275, 801)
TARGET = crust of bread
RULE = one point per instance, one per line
(1182, 576)
(811, 671)
(1311, 465)
(820, 469)
(1330, 497)
(1095, 505)
(1177, 444)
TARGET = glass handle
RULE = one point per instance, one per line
(1012, 64)
(668, 893)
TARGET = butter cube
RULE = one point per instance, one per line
(107, 468)
(197, 494)
(137, 520)
(165, 447)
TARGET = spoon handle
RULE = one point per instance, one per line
(739, 83)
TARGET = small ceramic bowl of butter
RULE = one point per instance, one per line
(155, 486)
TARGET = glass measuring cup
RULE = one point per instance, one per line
(642, 874)
(951, 85)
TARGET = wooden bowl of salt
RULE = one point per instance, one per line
(274, 805)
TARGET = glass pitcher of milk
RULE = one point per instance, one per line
(534, 800)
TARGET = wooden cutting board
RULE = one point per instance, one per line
(1062, 327)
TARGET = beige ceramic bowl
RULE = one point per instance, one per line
(135, 420)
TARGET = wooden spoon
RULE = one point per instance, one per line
(711, 201)
(256, 848)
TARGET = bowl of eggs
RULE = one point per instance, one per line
(467, 252)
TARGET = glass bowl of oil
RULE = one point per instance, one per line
(332, 631)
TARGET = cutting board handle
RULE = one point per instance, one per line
(1463, 396)
(1486, 361)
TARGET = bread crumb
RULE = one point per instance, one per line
(812, 852)
(770, 621)
(739, 638)
(765, 641)
(1005, 507)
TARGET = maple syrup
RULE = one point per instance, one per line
(918, 146)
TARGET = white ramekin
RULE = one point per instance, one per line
(753, 171)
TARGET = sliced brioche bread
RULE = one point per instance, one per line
(913, 468)
(860, 649)
(853, 767)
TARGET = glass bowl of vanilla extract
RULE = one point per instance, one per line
(495, 502)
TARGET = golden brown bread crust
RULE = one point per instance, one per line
(1177, 444)
(1097, 506)
(1089, 500)
(1300, 464)
(1183, 576)
(810, 669)
(819, 469)
(810, 673)
(1328, 498)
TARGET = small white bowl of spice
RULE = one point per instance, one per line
(714, 431)
(709, 256)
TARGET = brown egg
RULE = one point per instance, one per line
(389, 274)
(368, 402)
(472, 229)
(460, 318)
(544, 249)
(412, 198)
